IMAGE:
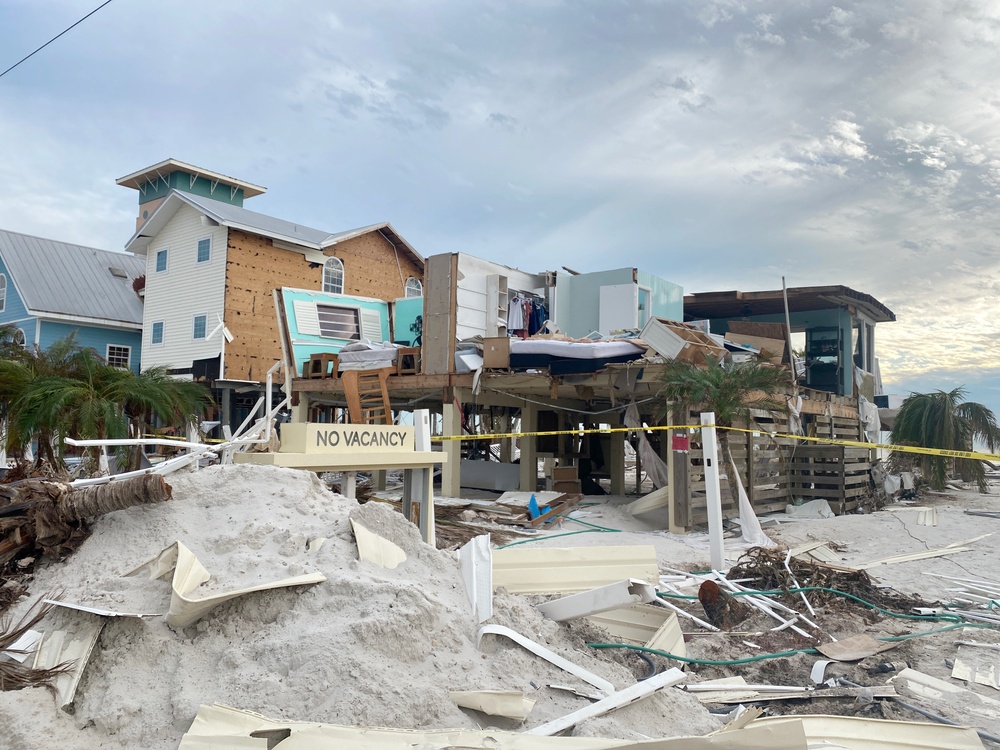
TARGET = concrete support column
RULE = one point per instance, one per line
(300, 411)
(529, 452)
(617, 463)
(451, 424)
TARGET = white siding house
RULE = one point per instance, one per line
(185, 291)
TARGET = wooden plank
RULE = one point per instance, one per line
(567, 502)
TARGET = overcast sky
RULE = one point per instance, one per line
(720, 145)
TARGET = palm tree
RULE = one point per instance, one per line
(20, 371)
(731, 391)
(71, 391)
(945, 420)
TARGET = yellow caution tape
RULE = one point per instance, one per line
(822, 440)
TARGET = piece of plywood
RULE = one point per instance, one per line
(189, 574)
(376, 549)
(854, 648)
(566, 570)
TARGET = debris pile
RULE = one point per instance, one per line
(256, 606)
(371, 646)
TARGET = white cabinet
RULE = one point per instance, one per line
(497, 298)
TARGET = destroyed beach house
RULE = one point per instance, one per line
(498, 351)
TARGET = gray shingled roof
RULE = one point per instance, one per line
(58, 277)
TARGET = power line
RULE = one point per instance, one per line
(54, 38)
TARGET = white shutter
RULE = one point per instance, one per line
(306, 319)
(371, 325)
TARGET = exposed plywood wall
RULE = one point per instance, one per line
(255, 267)
(370, 268)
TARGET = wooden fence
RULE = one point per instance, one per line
(777, 471)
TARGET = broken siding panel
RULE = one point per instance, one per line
(570, 569)
(187, 288)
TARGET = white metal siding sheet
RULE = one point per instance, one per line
(186, 289)
(566, 570)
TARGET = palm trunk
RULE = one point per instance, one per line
(51, 515)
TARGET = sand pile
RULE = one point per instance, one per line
(369, 646)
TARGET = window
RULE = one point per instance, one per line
(339, 322)
(19, 339)
(205, 250)
(644, 307)
(119, 356)
(333, 276)
(3, 292)
(156, 333)
(414, 287)
(200, 326)
(161, 260)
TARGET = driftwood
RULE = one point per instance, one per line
(50, 516)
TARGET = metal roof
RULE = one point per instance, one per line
(65, 279)
(150, 174)
(800, 299)
(237, 217)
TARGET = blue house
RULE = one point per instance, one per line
(50, 289)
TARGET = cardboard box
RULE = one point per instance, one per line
(565, 474)
(496, 353)
(773, 350)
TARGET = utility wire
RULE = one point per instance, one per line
(54, 38)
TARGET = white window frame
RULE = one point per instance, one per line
(331, 263)
(649, 300)
(197, 249)
(166, 260)
(128, 356)
(356, 311)
(194, 322)
(417, 285)
(152, 332)
(3, 292)
(23, 343)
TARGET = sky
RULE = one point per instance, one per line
(720, 144)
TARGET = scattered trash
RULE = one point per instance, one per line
(511, 704)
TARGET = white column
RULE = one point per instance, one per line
(713, 489)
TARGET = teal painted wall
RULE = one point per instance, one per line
(305, 345)
(578, 299)
(667, 297)
(181, 181)
(92, 337)
(405, 313)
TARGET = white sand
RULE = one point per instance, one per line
(368, 647)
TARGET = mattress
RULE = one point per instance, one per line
(369, 355)
(576, 349)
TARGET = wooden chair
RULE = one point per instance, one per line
(408, 361)
(368, 396)
(318, 366)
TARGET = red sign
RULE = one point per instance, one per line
(680, 443)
